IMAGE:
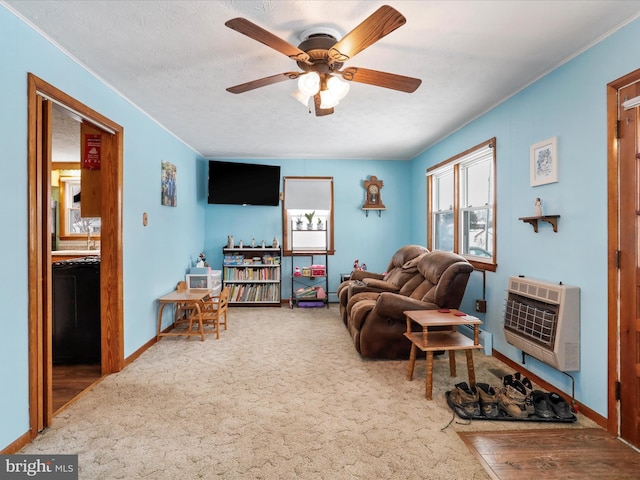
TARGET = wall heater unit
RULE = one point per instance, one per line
(543, 320)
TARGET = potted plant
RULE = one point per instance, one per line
(310, 219)
(299, 222)
(319, 223)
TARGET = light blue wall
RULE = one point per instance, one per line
(569, 103)
(155, 257)
(372, 239)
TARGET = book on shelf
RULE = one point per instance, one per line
(242, 292)
(239, 259)
(252, 274)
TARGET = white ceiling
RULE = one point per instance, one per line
(174, 59)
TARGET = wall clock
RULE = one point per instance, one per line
(373, 200)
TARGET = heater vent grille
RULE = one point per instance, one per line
(535, 320)
(543, 320)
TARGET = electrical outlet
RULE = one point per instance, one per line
(481, 306)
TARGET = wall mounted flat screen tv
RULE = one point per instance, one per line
(232, 183)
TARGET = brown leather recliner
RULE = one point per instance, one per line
(400, 270)
(377, 323)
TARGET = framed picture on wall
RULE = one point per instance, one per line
(544, 162)
(168, 185)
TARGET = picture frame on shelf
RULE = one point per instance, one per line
(544, 162)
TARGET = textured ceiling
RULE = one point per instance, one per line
(174, 59)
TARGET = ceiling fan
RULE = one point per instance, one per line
(321, 57)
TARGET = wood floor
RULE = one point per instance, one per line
(69, 381)
(564, 453)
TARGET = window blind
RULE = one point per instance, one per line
(307, 193)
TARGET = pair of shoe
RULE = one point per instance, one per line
(550, 405)
(542, 404)
(479, 400)
(514, 398)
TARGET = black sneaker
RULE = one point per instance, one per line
(559, 406)
(541, 404)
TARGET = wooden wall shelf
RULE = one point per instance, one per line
(552, 219)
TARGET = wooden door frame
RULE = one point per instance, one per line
(613, 241)
(39, 264)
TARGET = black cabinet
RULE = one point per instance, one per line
(76, 311)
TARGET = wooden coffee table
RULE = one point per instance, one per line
(444, 339)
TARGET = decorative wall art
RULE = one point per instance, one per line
(168, 185)
(544, 162)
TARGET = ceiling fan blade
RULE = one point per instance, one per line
(263, 82)
(255, 32)
(381, 79)
(321, 112)
(379, 24)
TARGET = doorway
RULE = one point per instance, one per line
(41, 97)
(623, 259)
(75, 257)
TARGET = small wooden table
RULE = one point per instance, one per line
(448, 340)
(184, 300)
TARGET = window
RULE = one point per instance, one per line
(461, 205)
(71, 222)
(307, 214)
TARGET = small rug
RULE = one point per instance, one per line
(553, 454)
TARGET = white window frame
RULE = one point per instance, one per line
(439, 213)
(483, 252)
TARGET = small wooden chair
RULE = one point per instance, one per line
(187, 312)
(182, 309)
(213, 309)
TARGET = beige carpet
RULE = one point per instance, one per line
(282, 395)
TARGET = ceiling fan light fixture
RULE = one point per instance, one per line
(328, 99)
(332, 92)
(301, 97)
(321, 55)
(338, 87)
(309, 83)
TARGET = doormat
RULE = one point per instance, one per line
(557, 453)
